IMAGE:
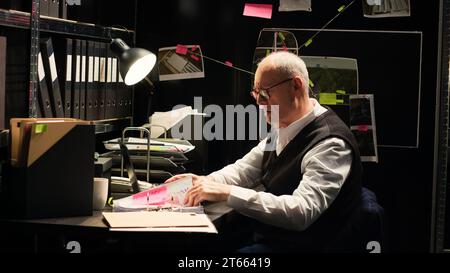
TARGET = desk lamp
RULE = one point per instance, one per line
(135, 63)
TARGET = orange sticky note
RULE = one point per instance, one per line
(181, 49)
(258, 10)
(229, 63)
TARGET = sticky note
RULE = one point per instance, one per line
(363, 128)
(284, 47)
(229, 63)
(40, 128)
(195, 58)
(181, 49)
(341, 8)
(281, 35)
(258, 10)
(342, 92)
(339, 101)
(308, 42)
(311, 84)
(268, 52)
(194, 48)
(327, 98)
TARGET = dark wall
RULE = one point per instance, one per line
(403, 177)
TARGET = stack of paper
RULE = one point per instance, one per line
(160, 145)
(165, 196)
(163, 121)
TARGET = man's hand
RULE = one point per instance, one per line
(203, 189)
(206, 189)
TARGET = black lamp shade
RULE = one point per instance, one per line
(135, 63)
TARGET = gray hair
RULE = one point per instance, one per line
(288, 63)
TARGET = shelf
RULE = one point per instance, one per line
(111, 125)
(19, 19)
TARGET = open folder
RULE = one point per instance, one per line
(159, 221)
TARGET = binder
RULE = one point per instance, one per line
(82, 85)
(76, 83)
(2, 81)
(96, 80)
(44, 7)
(109, 93)
(48, 57)
(90, 94)
(46, 186)
(102, 88)
(53, 10)
(115, 112)
(69, 73)
(63, 9)
(43, 96)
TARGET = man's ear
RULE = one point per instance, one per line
(298, 83)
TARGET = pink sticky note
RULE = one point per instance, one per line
(181, 49)
(363, 128)
(229, 63)
(194, 48)
(195, 58)
(258, 10)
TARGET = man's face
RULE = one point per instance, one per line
(281, 95)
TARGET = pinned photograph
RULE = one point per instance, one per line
(180, 62)
(362, 121)
(295, 5)
(272, 40)
(332, 74)
(386, 8)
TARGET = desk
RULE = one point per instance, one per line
(52, 235)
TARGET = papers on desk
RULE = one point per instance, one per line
(165, 196)
(161, 145)
(161, 221)
(163, 121)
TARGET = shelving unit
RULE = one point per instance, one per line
(22, 20)
(37, 24)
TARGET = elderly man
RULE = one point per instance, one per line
(312, 180)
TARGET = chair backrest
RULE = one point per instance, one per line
(364, 231)
(371, 222)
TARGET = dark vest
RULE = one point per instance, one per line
(282, 174)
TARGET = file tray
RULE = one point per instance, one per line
(52, 174)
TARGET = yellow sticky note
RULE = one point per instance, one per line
(267, 52)
(339, 101)
(342, 92)
(341, 8)
(40, 128)
(327, 98)
(308, 42)
(281, 35)
(311, 84)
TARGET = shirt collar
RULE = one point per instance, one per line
(285, 135)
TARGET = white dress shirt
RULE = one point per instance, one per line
(325, 168)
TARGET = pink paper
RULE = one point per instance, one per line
(157, 196)
(195, 58)
(181, 49)
(363, 128)
(258, 10)
(229, 63)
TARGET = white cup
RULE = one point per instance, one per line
(100, 193)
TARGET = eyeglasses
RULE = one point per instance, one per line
(264, 93)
